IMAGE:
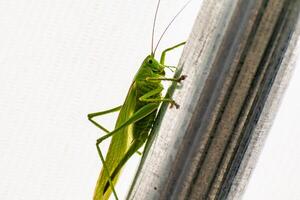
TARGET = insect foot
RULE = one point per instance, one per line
(181, 78)
(173, 103)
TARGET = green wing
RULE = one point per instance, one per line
(119, 145)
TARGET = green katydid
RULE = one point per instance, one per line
(136, 116)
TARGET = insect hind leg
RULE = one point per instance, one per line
(106, 170)
(138, 115)
(90, 118)
(92, 115)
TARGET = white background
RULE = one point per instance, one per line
(61, 59)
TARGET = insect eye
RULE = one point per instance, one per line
(150, 61)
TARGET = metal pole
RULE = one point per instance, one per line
(238, 60)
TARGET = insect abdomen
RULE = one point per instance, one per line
(142, 127)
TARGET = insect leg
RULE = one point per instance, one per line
(146, 98)
(139, 153)
(166, 79)
(106, 171)
(132, 149)
(92, 115)
(163, 55)
(138, 115)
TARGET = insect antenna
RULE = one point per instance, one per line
(153, 28)
(183, 7)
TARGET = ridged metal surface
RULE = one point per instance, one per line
(238, 60)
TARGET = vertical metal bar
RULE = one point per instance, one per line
(237, 59)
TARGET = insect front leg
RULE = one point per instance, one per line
(146, 98)
(162, 62)
(163, 55)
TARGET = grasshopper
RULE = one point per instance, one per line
(136, 116)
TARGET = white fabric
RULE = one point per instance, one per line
(59, 60)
